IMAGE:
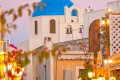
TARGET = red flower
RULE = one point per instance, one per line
(15, 47)
(11, 45)
(20, 50)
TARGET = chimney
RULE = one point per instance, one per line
(48, 42)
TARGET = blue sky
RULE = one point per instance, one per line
(22, 32)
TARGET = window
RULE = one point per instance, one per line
(74, 12)
(52, 26)
(69, 30)
(36, 27)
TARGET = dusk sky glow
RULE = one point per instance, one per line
(22, 32)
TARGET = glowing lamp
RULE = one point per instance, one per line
(112, 78)
(20, 73)
(110, 61)
(4, 68)
(23, 69)
(106, 61)
(90, 74)
(1, 42)
(108, 21)
(9, 66)
(2, 52)
(100, 77)
(103, 21)
(109, 10)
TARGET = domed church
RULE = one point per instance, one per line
(59, 19)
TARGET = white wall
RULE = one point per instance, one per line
(24, 45)
(114, 6)
(75, 31)
(68, 16)
(46, 27)
(32, 34)
(34, 43)
(35, 39)
(62, 21)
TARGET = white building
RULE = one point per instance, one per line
(61, 20)
(62, 23)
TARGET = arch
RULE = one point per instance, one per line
(94, 39)
(36, 27)
(52, 26)
(74, 12)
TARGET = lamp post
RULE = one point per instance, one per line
(105, 27)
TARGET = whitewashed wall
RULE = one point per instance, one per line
(114, 6)
(61, 23)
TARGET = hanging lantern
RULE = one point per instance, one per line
(67, 31)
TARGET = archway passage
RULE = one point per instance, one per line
(94, 38)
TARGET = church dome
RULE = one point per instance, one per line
(53, 7)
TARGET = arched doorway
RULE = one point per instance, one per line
(94, 38)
